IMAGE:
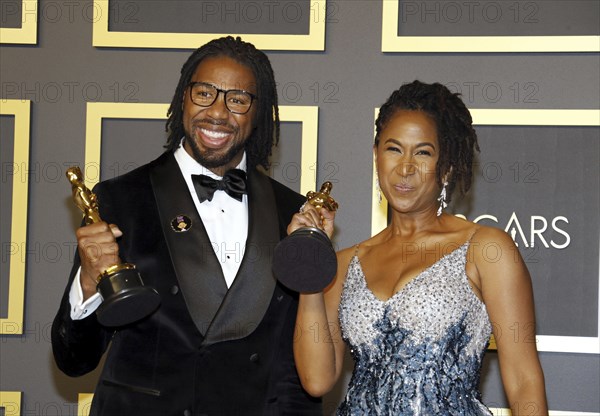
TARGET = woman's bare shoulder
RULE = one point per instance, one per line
(494, 251)
(484, 234)
(345, 255)
(476, 233)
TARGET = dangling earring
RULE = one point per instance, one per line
(442, 199)
(378, 189)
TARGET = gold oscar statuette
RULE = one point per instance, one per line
(125, 298)
(305, 260)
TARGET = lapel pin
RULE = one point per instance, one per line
(181, 223)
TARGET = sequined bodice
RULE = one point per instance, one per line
(419, 352)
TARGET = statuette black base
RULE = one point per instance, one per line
(305, 261)
(126, 299)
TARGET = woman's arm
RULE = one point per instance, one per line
(318, 345)
(507, 293)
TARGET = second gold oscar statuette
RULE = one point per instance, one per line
(305, 260)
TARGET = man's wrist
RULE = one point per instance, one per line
(83, 301)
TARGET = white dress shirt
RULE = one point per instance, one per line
(225, 220)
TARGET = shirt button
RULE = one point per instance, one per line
(254, 357)
(174, 289)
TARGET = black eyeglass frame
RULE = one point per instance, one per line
(192, 84)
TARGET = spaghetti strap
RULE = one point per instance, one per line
(469, 252)
(477, 228)
(356, 250)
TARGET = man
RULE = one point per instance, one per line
(220, 342)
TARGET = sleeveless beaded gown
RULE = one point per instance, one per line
(419, 352)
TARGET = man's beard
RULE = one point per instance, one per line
(211, 158)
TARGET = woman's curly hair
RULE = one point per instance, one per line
(456, 137)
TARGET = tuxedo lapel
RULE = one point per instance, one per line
(197, 268)
(250, 294)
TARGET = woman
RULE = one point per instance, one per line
(417, 302)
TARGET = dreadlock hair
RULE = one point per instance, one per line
(266, 132)
(456, 137)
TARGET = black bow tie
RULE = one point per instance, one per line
(233, 182)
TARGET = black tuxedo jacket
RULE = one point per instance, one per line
(206, 350)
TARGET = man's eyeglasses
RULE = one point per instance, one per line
(236, 101)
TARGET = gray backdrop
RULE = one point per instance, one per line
(541, 181)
